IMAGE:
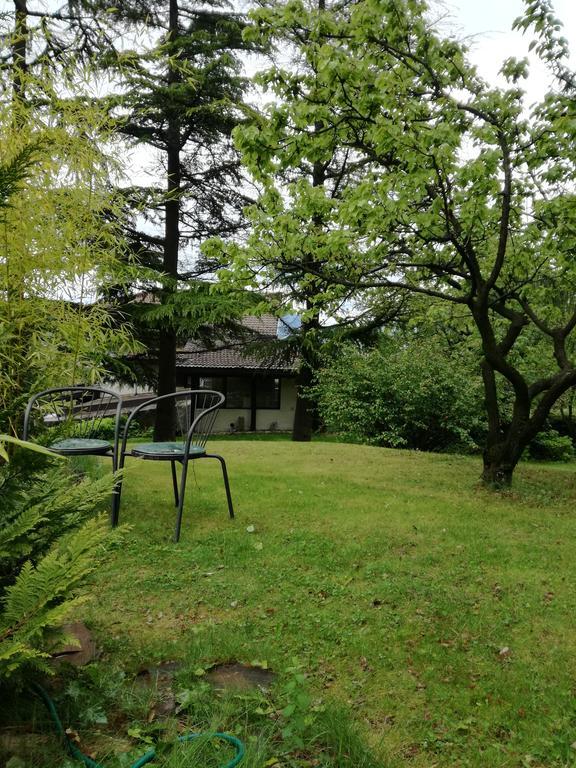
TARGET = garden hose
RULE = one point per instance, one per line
(144, 759)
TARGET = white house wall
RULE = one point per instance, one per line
(281, 419)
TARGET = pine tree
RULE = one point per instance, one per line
(180, 102)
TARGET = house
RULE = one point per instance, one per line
(260, 388)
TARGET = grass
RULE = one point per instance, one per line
(412, 617)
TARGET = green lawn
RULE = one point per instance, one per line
(412, 617)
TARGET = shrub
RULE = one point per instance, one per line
(551, 446)
(105, 429)
(411, 396)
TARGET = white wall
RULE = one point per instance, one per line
(284, 417)
(265, 417)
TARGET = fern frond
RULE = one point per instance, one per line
(15, 654)
(39, 589)
(82, 498)
(15, 537)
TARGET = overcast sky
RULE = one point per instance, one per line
(487, 27)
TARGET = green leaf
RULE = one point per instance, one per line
(26, 444)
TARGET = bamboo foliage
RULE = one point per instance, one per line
(59, 246)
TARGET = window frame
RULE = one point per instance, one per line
(194, 383)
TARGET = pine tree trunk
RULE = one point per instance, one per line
(165, 424)
(304, 412)
(19, 45)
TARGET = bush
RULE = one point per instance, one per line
(105, 429)
(407, 396)
(551, 446)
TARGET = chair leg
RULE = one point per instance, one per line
(226, 483)
(181, 501)
(115, 513)
(116, 494)
(174, 483)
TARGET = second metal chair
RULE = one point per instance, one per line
(196, 412)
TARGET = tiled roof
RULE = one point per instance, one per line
(266, 325)
(234, 355)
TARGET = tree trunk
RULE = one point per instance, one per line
(497, 474)
(165, 424)
(19, 45)
(304, 411)
(500, 460)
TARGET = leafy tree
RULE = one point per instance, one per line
(465, 198)
(55, 245)
(299, 189)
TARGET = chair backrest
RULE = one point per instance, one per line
(196, 411)
(73, 412)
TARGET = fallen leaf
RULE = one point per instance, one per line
(72, 735)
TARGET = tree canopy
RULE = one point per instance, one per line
(463, 195)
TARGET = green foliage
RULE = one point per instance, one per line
(42, 596)
(549, 44)
(551, 446)
(297, 717)
(59, 244)
(49, 543)
(413, 395)
(457, 192)
(10, 440)
(106, 427)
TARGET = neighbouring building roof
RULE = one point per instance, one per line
(236, 354)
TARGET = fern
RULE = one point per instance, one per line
(42, 596)
(50, 542)
(39, 503)
(15, 537)
(14, 654)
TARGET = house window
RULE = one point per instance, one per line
(238, 392)
(268, 393)
(217, 383)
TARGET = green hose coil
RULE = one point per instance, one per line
(144, 759)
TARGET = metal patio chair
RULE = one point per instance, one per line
(67, 420)
(196, 411)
